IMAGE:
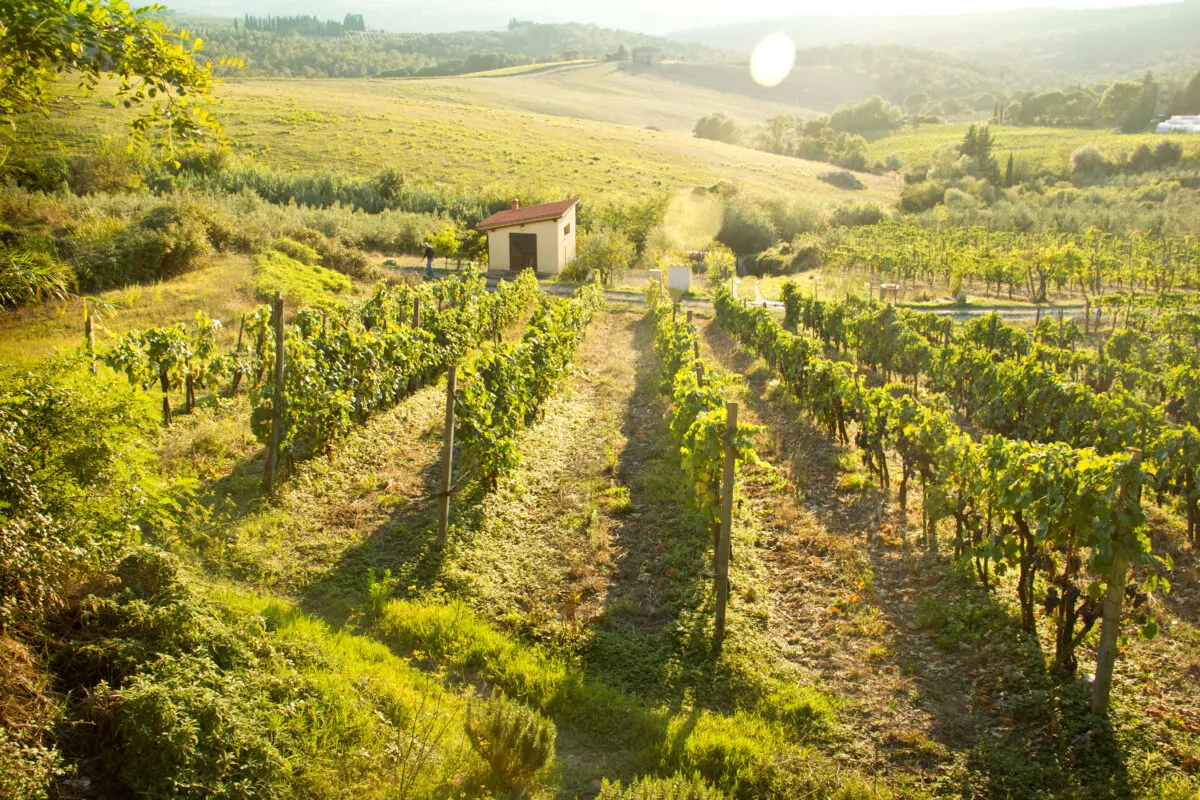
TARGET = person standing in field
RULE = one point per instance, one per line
(428, 260)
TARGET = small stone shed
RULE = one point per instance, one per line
(541, 237)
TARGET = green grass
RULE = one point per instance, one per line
(224, 290)
(1038, 148)
(483, 134)
(300, 284)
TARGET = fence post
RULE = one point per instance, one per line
(89, 329)
(447, 459)
(689, 316)
(723, 541)
(277, 397)
(237, 373)
(417, 311)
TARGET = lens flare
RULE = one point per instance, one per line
(772, 59)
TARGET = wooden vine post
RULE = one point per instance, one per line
(724, 538)
(89, 329)
(447, 459)
(417, 311)
(277, 397)
(237, 373)
(1110, 615)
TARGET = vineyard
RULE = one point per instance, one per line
(1104, 271)
(621, 554)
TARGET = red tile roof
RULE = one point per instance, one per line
(520, 216)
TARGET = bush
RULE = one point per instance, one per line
(918, 197)
(843, 180)
(649, 788)
(1168, 153)
(336, 256)
(807, 253)
(849, 215)
(604, 252)
(108, 169)
(28, 276)
(1089, 162)
(514, 741)
(170, 240)
(746, 228)
(293, 249)
(300, 284)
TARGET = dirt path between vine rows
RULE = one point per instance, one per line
(845, 586)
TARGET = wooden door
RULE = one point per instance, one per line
(522, 251)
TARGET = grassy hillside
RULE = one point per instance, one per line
(476, 132)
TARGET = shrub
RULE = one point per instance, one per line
(513, 740)
(170, 240)
(28, 276)
(300, 284)
(604, 252)
(918, 197)
(293, 249)
(849, 215)
(1088, 162)
(1168, 153)
(746, 228)
(719, 265)
(843, 180)
(110, 168)
(49, 173)
(807, 253)
(649, 788)
(335, 255)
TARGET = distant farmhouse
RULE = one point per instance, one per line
(1180, 124)
(541, 238)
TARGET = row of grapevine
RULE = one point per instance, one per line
(1005, 383)
(507, 388)
(1094, 263)
(344, 367)
(698, 415)
(173, 356)
(1069, 516)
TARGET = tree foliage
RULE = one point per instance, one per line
(158, 68)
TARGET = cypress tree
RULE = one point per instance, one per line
(1008, 171)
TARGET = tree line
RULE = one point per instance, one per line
(304, 25)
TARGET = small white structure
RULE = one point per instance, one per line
(679, 279)
(541, 238)
(1179, 124)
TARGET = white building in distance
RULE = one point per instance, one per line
(1179, 124)
(541, 238)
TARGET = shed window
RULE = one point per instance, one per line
(567, 229)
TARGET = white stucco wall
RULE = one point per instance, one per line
(555, 249)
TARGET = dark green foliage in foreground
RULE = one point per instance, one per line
(515, 741)
(676, 788)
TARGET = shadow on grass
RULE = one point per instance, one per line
(1019, 730)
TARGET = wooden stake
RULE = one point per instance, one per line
(417, 312)
(237, 375)
(447, 459)
(724, 547)
(277, 398)
(1110, 628)
(89, 328)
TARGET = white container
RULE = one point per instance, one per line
(656, 276)
(679, 279)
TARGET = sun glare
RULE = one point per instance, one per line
(772, 59)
